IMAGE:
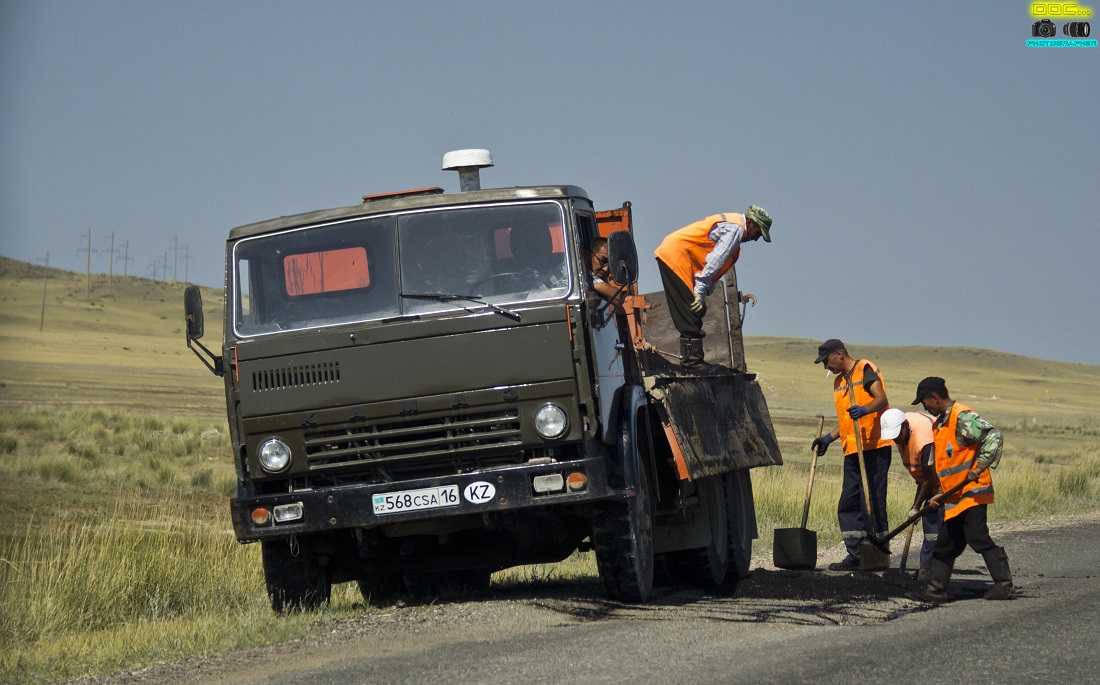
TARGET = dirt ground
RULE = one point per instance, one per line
(769, 595)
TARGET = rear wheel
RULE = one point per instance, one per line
(295, 576)
(741, 519)
(707, 566)
(622, 535)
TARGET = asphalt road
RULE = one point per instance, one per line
(776, 627)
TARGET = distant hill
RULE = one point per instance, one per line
(125, 346)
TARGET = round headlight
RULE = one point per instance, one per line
(274, 455)
(551, 421)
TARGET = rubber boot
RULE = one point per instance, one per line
(691, 353)
(997, 562)
(922, 576)
(935, 592)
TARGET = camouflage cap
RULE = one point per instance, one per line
(762, 219)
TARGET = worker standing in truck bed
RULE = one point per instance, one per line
(692, 259)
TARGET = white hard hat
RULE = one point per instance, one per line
(891, 421)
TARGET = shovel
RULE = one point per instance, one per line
(879, 543)
(871, 557)
(909, 533)
(796, 548)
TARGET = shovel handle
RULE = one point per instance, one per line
(862, 464)
(909, 534)
(813, 468)
(915, 517)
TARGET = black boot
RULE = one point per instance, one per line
(935, 592)
(997, 562)
(691, 353)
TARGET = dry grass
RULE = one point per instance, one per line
(115, 546)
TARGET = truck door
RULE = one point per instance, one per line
(606, 346)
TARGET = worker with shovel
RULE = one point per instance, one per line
(912, 434)
(967, 447)
(692, 259)
(859, 392)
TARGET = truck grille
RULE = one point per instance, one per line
(295, 376)
(414, 445)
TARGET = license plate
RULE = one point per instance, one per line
(414, 500)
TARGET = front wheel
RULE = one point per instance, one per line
(622, 535)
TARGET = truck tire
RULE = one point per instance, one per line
(707, 566)
(295, 578)
(741, 520)
(622, 536)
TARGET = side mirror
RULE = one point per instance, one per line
(192, 312)
(622, 258)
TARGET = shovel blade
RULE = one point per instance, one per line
(795, 548)
(872, 557)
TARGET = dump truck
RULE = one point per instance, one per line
(423, 389)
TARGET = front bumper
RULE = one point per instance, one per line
(351, 506)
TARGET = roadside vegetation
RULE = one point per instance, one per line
(115, 542)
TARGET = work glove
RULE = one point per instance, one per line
(699, 305)
(912, 512)
(819, 445)
(858, 411)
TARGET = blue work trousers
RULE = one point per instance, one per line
(930, 524)
(851, 508)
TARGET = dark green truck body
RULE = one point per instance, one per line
(453, 400)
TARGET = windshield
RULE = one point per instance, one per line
(397, 265)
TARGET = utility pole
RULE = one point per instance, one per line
(111, 266)
(88, 249)
(126, 260)
(186, 263)
(175, 257)
(165, 270)
(45, 278)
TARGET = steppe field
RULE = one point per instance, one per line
(115, 541)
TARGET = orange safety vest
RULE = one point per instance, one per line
(920, 436)
(685, 251)
(953, 461)
(869, 429)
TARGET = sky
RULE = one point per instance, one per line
(933, 180)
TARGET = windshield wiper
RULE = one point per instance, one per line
(449, 297)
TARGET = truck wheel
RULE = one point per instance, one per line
(742, 523)
(707, 566)
(622, 535)
(295, 579)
